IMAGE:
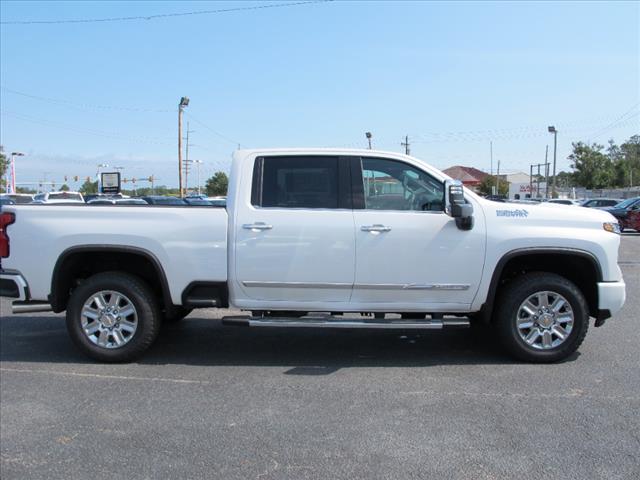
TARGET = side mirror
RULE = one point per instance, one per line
(456, 206)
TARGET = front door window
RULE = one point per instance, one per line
(394, 185)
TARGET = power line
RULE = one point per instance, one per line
(82, 105)
(519, 132)
(158, 16)
(89, 106)
(622, 119)
(71, 128)
(218, 134)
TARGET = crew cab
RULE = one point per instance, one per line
(319, 238)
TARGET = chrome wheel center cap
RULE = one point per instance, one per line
(546, 320)
(108, 320)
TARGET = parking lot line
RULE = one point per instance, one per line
(104, 377)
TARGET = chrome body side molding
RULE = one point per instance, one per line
(360, 286)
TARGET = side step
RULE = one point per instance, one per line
(336, 322)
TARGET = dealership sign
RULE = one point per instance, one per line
(110, 182)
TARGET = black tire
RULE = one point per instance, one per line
(515, 293)
(144, 302)
(176, 313)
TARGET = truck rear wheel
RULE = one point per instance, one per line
(541, 317)
(113, 317)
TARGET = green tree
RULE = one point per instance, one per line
(593, 169)
(563, 180)
(4, 164)
(629, 164)
(64, 188)
(89, 187)
(486, 186)
(217, 185)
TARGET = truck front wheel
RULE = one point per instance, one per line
(113, 317)
(541, 317)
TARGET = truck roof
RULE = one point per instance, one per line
(242, 155)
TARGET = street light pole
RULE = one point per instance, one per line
(13, 171)
(184, 101)
(99, 179)
(368, 135)
(553, 130)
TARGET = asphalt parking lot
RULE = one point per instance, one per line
(234, 403)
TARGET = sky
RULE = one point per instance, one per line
(453, 76)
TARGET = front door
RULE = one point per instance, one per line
(295, 235)
(408, 251)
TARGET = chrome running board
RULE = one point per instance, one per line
(336, 322)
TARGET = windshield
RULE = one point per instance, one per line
(626, 203)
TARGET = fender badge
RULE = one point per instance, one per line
(519, 212)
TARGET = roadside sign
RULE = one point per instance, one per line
(110, 182)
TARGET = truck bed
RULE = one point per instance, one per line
(189, 242)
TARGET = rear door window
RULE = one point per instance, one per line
(296, 182)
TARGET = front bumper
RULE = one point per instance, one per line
(13, 285)
(611, 297)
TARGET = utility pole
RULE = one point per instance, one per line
(44, 180)
(546, 170)
(184, 101)
(406, 145)
(530, 181)
(498, 180)
(537, 181)
(187, 160)
(198, 163)
(491, 156)
(368, 135)
(553, 130)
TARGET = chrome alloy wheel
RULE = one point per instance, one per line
(545, 320)
(109, 319)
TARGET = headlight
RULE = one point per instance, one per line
(613, 227)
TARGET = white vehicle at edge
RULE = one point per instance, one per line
(320, 230)
(58, 197)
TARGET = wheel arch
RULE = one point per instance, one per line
(579, 266)
(77, 263)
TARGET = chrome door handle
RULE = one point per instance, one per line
(377, 228)
(257, 226)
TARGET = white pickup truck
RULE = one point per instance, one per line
(308, 238)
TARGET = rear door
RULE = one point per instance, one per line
(295, 232)
(409, 253)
